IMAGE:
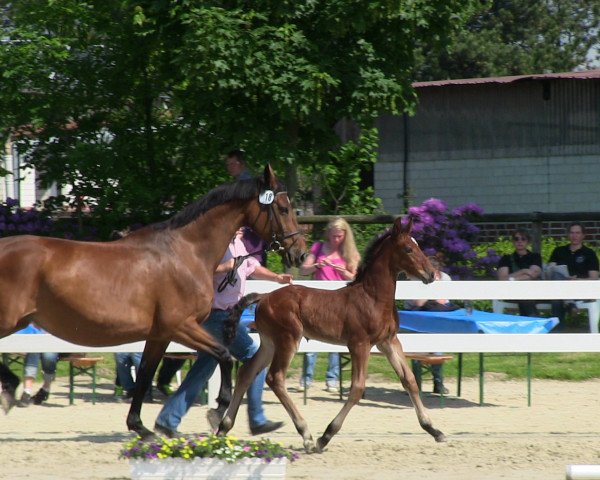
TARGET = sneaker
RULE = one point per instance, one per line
(332, 388)
(24, 401)
(165, 431)
(165, 389)
(266, 427)
(303, 385)
(41, 396)
(440, 390)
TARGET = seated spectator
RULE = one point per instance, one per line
(439, 305)
(522, 264)
(30, 369)
(123, 363)
(581, 263)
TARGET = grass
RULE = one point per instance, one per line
(555, 366)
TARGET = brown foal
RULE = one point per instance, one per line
(155, 284)
(359, 315)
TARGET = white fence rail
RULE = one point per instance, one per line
(456, 343)
(459, 290)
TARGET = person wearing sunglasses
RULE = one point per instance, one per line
(522, 264)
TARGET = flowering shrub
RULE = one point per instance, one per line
(17, 221)
(451, 233)
(225, 448)
(37, 220)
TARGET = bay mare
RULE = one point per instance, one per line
(155, 284)
(359, 315)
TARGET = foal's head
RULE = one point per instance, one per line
(407, 256)
(274, 219)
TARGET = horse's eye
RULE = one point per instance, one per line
(284, 210)
(408, 250)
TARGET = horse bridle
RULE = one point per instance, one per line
(274, 246)
(277, 239)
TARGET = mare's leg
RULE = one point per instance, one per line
(153, 352)
(360, 360)
(394, 354)
(10, 382)
(245, 376)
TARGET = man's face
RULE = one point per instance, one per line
(234, 166)
(576, 235)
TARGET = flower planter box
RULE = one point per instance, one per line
(206, 468)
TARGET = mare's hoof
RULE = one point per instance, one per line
(214, 418)
(8, 401)
(440, 437)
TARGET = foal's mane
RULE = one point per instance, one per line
(240, 190)
(370, 252)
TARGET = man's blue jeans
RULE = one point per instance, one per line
(243, 348)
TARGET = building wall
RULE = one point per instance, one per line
(510, 148)
(22, 183)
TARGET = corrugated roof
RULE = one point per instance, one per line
(585, 75)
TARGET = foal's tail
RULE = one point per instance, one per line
(232, 322)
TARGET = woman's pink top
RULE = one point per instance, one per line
(326, 272)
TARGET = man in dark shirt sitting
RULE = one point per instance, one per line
(581, 262)
(522, 264)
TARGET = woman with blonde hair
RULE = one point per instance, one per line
(336, 258)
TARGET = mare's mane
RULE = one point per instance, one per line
(239, 190)
(370, 252)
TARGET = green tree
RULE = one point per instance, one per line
(516, 37)
(133, 101)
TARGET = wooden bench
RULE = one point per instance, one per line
(81, 365)
(427, 359)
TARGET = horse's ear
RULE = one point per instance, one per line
(399, 228)
(269, 177)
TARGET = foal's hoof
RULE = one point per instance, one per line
(440, 437)
(321, 444)
(309, 446)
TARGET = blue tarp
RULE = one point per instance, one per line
(478, 322)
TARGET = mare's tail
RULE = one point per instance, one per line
(232, 322)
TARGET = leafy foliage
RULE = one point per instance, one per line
(517, 37)
(131, 101)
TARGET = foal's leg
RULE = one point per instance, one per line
(360, 360)
(284, 353)
(215, 415)
(245, 376)
(394, 354)
(153, 352)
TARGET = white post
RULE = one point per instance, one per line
(214, 383)
(583, 472)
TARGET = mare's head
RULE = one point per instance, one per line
(272, 217)
(407, 256)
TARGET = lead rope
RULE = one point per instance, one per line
(230, 278)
